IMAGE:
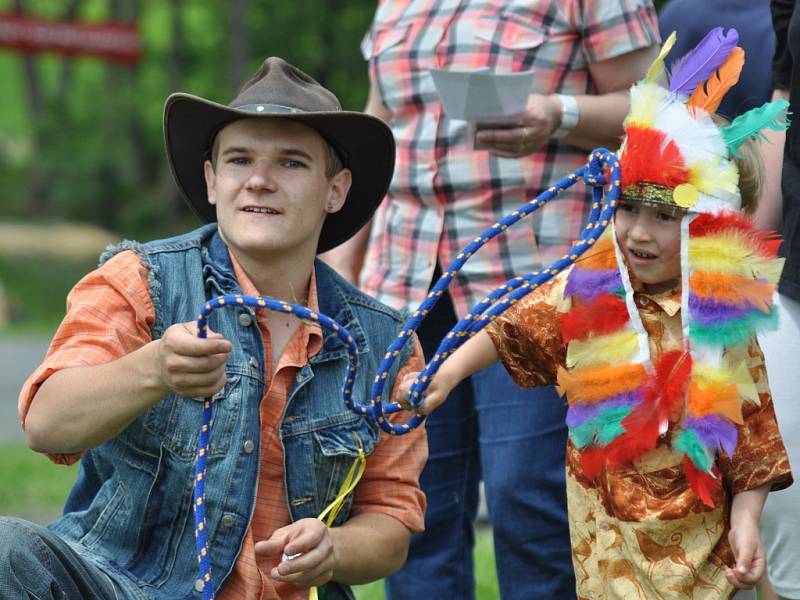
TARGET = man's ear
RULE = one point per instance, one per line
(211, 181)
(338, 187)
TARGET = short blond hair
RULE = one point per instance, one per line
(750, 165)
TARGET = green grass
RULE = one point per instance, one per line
(485, 578)
(33, 487)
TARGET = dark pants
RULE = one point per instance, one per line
(517, 439)
(35, 563)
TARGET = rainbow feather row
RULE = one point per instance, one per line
(732, 271)
(621, 402)
(602, 383)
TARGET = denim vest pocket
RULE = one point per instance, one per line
(338, 448)
(176, 420)
(110, 498)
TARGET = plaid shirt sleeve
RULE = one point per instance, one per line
(109, 315)
(390, 484)
(614, 27)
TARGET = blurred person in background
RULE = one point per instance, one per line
(585, 56)
(780, 521)
(691, 20)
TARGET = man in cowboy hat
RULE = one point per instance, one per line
(286, 174)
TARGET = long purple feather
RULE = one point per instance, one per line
(587, 283)
(715, 431)
(700, 63)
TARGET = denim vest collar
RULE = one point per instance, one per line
(219, 275)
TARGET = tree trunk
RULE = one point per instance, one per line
(35, 200)
(239, 44)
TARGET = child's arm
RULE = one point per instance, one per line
(745, 539)
(475, 354)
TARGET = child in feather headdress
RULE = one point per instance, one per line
(673, 444)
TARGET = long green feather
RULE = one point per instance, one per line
(771, 115)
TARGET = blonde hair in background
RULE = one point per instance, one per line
(751, 170)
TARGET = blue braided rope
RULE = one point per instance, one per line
(503, 296)
(482, 313)
(200, 529)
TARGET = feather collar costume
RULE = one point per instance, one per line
(620, 399)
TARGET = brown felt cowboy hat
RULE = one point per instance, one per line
(280, 90)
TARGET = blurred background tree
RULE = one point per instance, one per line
(81, 139)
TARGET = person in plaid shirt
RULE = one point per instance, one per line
(585, 55)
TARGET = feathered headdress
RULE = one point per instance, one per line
(620, 399)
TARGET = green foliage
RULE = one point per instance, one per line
(35, 289)
(95, 151)
(31, 485)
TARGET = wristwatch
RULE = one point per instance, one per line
(569, 116)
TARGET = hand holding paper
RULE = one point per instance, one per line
(505, 118)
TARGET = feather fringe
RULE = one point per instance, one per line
(594, 384)
(606, 314)
(609, 349)
(708, 95)
(772, 115)
(588, 284)
(715, 432)
(656, 69)
(705, 486)
(732, 289)
(700, 63)
(734, 332)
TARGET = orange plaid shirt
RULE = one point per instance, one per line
(109, 314)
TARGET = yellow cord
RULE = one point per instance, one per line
(348, 485)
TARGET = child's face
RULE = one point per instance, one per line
(650, 239)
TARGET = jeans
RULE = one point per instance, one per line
(35, 563)
(517, 439)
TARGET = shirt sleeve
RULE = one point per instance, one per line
(760, 456)
(390, 484)
(109, 315)
(611, 28)
(528, 336)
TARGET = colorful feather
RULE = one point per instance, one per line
(715, 432)
(603, 350)
(589, 284)
(709, 94)
(646, 101)
(706, 486)
(656, 69)
(734, 332)
(606, 314)
(701, 62)
(771, 115)
(688, 442)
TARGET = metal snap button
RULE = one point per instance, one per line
(199, 585)
(228, 521)
(248, 446)
(245, 320)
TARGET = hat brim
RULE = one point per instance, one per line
(190, 122)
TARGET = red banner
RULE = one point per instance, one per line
(110, 40)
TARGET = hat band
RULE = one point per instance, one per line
(648, 192)
(268, 108)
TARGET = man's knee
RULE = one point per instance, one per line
(19, 542)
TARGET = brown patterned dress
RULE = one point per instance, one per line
(640, 532)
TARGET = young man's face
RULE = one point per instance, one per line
(650, 239)
(270, 188)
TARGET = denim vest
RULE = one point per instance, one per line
(130, 509)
